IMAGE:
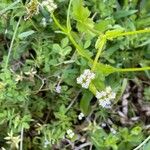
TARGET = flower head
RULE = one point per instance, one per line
(80, 116)
(70, 133)
(105, 97)
(85, 78)
(49, 4)
(58, 89)
(44, 22)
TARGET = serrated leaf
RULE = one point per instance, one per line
(82, 18)
(78, 7)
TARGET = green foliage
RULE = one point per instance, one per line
(43, 51)
(125, 139)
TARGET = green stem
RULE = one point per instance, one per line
(131, 33)
(58, 24)
(79, 49)
(84, 54)
(101, 45)
(68, 17)
(132, 69)
(11, 44)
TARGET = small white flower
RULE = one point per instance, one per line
(108, 89)
(70, 133)
(104, 103)
(43, 22)
(103, 124)
(105, 97)
(92, 76)
(103, 93)
(58, 88)
(85, 78)
(80, 116)
(87, 71)
(44, 3)
(49, 4)
(79, 80)
(85, 85)
(112, 95)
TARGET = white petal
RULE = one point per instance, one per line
(108, 89)
(79, 80)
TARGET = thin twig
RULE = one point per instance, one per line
(144, 142)
(12, 42)
(83, 145)
(42, 80)
(73, 101)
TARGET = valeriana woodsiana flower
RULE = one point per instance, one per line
(44, 22)
(85, 78)
(70, 133)
(105, 97)
(80, 116)
(49, 5)
(58, 89)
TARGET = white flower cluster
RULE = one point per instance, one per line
(85, 78)
(49, 4)
(44, 22)
(70, 133)
(105, 97)
(58, 89)
(80, 116)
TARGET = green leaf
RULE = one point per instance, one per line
(103, 25)
(78, 7)
(64, 42)
(26, 34)
(87, 44)
(114, 33)
(124, 13)
(84, 23)
(85, 101)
